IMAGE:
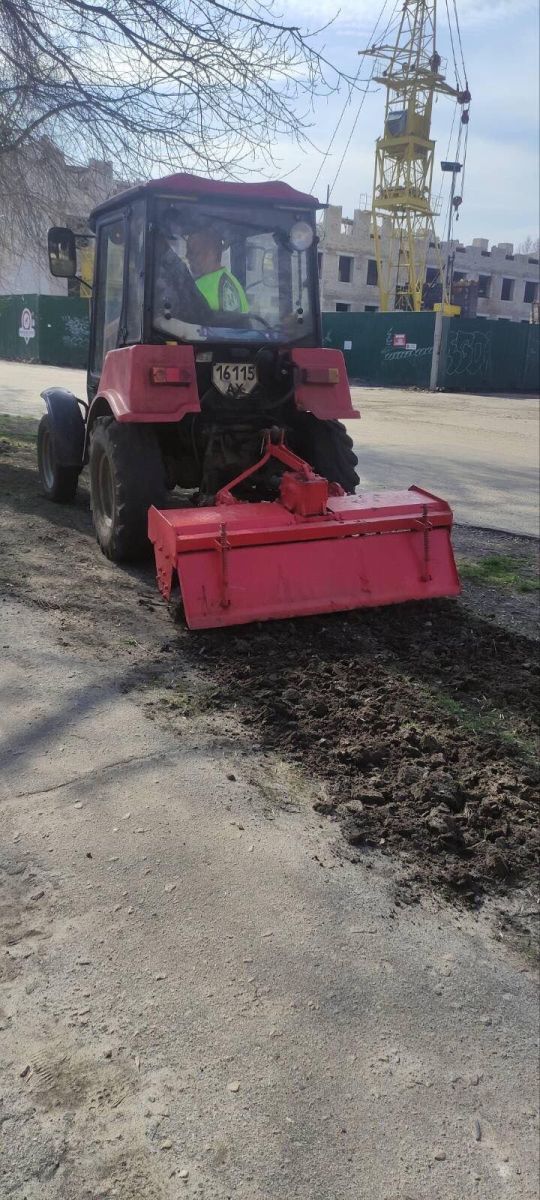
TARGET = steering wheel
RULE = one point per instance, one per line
(256, 317)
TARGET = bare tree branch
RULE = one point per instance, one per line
(151, 86)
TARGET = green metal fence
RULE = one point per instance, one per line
(18, 328)
(386, 349)
(395, 350)
(381, 349)
(489, 356)
(64, 330)
(47, 329)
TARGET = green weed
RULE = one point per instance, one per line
(18, 431)
(487, 722)
(501, 570)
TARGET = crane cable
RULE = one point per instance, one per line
(361, 105)
(458, 30)
(454, 56)
(348, 98)
(347, 144)
(460, 88)
(447, 156)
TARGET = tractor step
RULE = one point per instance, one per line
(241, 562)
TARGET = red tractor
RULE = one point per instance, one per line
(212, 421)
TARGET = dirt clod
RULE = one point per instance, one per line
(427, 747)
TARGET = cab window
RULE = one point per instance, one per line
(110, 278)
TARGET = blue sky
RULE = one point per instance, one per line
(500, 39)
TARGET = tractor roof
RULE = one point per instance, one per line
(194, 187)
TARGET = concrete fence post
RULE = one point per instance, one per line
(436, 355)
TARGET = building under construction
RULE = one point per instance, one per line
(504, 281)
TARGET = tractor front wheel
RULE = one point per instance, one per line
(59, 483)
(127, 476)
(328, 449)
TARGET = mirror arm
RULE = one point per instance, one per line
(83, 282)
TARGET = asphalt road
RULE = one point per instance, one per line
(481, 453)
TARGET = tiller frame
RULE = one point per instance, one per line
(313, 550)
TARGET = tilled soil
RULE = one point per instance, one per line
(419, 720)
(422, 721)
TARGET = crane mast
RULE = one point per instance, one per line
(402, 213)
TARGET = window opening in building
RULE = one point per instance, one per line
(346, 228)
(531, 292)
(371, 307)
(372, 273)
(345, 268)
(458, 276)
(484, 285)
(343, 308)
(507, 290)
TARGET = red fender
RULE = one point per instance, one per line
(150, 384)
(321, 383)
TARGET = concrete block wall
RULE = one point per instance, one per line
(352, 237)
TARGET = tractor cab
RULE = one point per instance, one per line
(187, 261)
(213, 422)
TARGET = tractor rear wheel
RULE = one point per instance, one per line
(59, 483)
(127, 476)
(328, 449)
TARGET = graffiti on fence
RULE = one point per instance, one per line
(411, 350)
(468, 353)
(75, 331)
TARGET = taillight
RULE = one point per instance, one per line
(320, 375)
(170, 375)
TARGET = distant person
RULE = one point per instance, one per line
(221, 289)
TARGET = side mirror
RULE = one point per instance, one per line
(62, 252)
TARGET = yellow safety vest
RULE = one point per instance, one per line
(222, 291)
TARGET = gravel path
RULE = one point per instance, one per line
(201, 998)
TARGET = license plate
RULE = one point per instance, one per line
(232, 379)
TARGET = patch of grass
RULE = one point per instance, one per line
(183, 701)
(501, 570)
(488, 722)
(18, 431)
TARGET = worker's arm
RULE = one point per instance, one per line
(181, 331)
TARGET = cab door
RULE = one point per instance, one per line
(118, 303)
(107, 327)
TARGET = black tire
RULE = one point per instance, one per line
(127, 476)
(327, 447)
(58, 483)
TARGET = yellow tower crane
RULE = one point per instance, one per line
(402, 210)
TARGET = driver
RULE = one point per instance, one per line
(221, 289)
(176, 296)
